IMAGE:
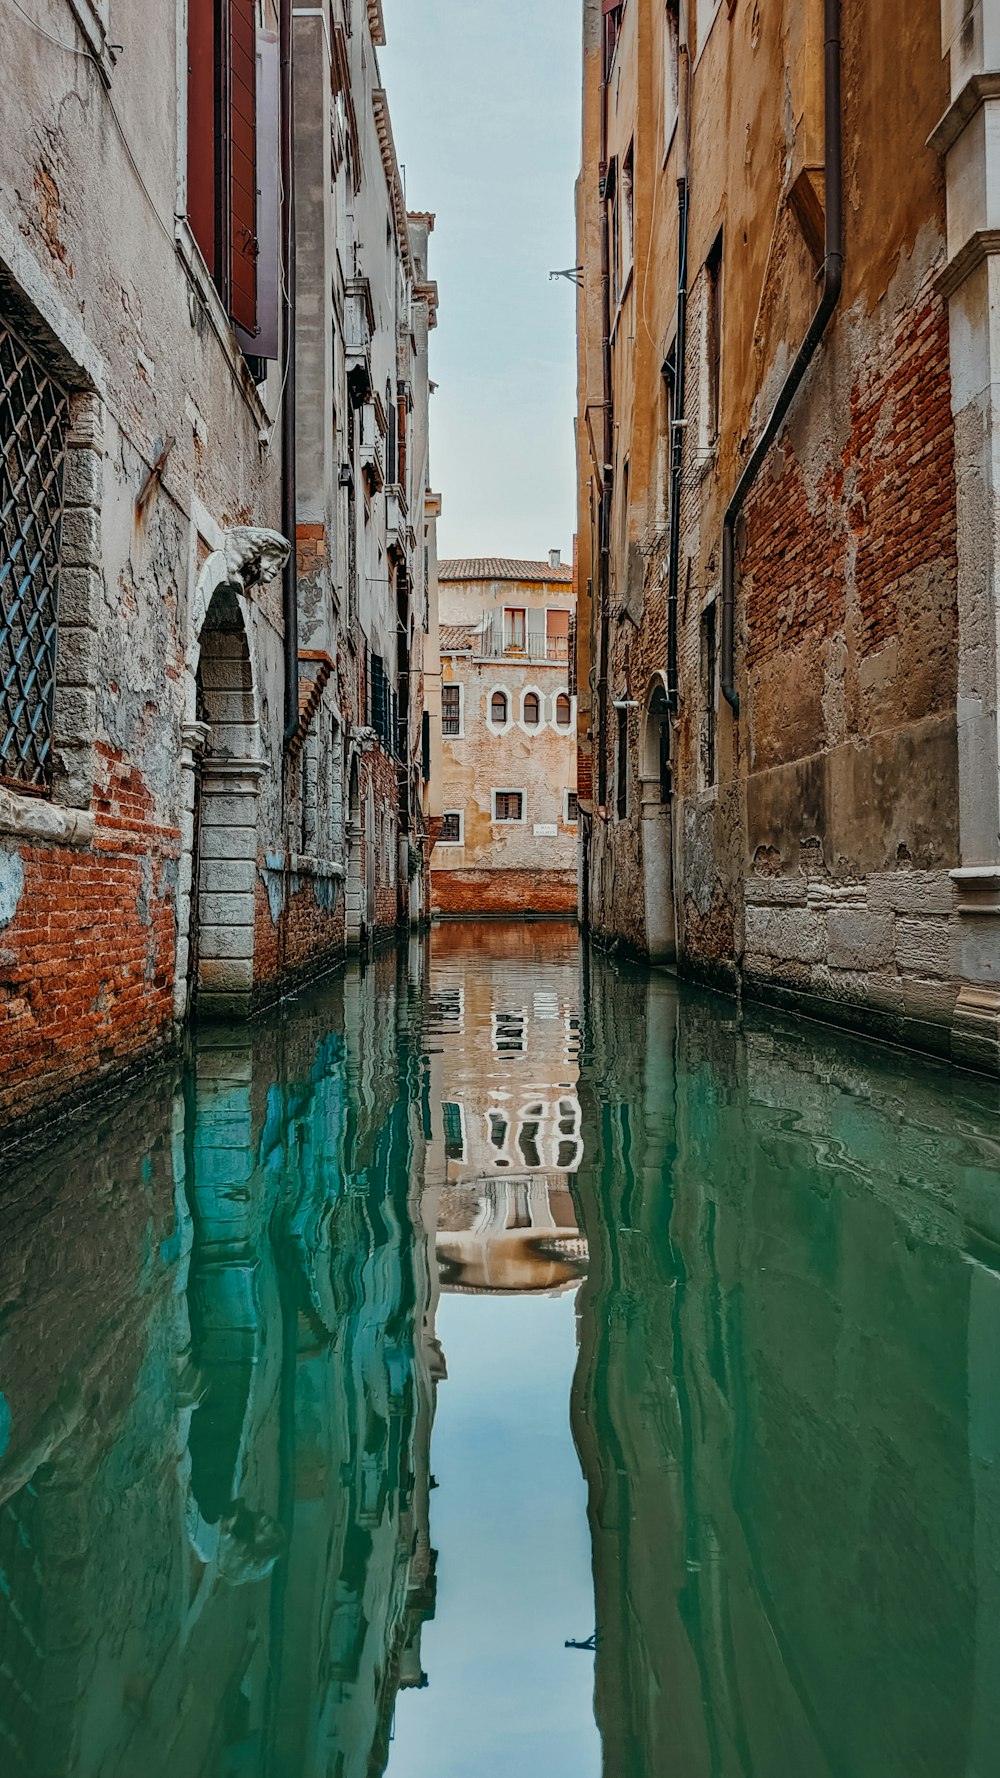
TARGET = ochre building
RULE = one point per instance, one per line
(788, 504)
(508, 838)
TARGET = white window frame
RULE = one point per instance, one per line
(563, 728)
(454, 685)
(529, 691)
(568, 819)
(563, 611)
(703, 37)
(499, 728)
(509, 790)
(461, 826)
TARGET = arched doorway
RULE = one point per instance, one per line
(355, 906)
(225, 825)
(656, 778)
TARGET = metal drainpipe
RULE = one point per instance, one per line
(289, 584)
(680, 378)
(604, 519)
(833, 278)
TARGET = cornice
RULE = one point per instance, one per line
(393, 178)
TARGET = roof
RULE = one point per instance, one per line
(501, 568)
(455, 637)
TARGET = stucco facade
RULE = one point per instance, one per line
(192, 781)
(508, 840)
(788, 772)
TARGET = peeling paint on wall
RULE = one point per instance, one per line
(11, 885)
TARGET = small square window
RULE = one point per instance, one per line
(451, 828)
(508, 805)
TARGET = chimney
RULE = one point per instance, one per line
(555, 558)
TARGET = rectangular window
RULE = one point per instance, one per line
(508, 805)
(572, 808)
(670, 70)
(557, 635)
(454, 1133)
(713, 341)
(222, 149)
(451, 828)
(621, 769)
(709, 670)
(34, 419)
(451, 709)
(626, 213)
(425, 745)
(514, 631)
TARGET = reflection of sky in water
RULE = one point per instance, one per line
(509, 1521)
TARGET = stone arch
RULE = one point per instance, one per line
(225, 817)
(355, 905)
(655, 773)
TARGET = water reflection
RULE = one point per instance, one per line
(788, 1396)
(772, 1258)
(219, 1366)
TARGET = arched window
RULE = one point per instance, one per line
(532, 709)
(564, 710)
(498, 706)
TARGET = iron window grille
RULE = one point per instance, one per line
(509, 806)
(451, 828)
(34, 419)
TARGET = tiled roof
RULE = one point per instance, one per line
(455, 637)
(500, 568)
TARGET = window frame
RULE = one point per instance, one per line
(453, 685)
(565, 728)
(571, 819)
(459, 815)
(532, 691)
(509, 820)
(712, 342)
(499, 691)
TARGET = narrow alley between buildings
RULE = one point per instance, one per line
(504, 1359)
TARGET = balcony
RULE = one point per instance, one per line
(497, 640)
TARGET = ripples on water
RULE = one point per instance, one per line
(502, 1363)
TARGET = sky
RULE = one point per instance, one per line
(485, 103)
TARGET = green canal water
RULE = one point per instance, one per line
(502, 1362)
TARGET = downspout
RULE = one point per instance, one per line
(289, 583)
(680, 355)
(833, 277)
(604, 518)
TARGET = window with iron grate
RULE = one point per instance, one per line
(451, 709)
(34, 419)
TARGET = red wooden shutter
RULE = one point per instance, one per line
(201, 126)
(243, 163)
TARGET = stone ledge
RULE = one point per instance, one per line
(32, 818)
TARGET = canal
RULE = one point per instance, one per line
(502, 1361)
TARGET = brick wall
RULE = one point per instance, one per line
(471, 894)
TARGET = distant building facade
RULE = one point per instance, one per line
(788, 660)
(507, 843)
(214, 599)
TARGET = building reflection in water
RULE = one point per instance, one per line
(503, 1111)
(218, 1366)
(788, 1396)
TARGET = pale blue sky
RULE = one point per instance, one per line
(485, 105)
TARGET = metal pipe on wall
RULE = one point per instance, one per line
(289, 583)
(833, 278)
(680, 369)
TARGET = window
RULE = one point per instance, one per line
(671, 42)
(381, 700)
(451, 828)
(508, 805)
(390, 435)
(498, 707)
(451, 709)
(532, 709)
(572, 808)
(713, 341)
(622, 764)
(510, 1033)
(626, 213)
(564, 710)
(454, 1133)
(708, 678)
(557, 635)
(514, 628)
(34, 418)
(232, 129)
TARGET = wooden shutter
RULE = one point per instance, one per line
(243, 164)
(201, 127)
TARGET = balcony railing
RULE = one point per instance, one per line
(496, 640)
